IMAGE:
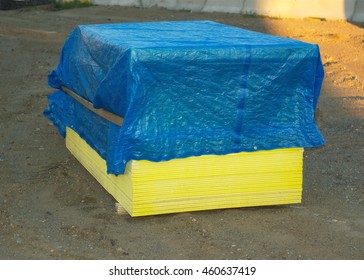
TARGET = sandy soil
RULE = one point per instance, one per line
(51, 208)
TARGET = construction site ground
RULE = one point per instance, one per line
(52, 208)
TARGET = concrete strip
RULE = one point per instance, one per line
(190, 5)
(168, 4)
(128, 3)
(329, 9)
(149, 3)
(228, 6)
(359, 11)
(269, 7)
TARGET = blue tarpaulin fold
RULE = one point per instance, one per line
(186, 89)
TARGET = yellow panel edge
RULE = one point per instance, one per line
(150, 188)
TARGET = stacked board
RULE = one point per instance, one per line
(185, 116)
(198, 183)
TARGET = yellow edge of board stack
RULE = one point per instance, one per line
(198, 183)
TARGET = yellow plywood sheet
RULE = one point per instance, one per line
(198, 183)
(118, 186)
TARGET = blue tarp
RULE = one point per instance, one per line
(186, 88)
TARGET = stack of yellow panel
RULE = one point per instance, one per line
(198, 183)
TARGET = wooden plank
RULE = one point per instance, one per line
(120, 210)
(101, 112)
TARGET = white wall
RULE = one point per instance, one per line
(329, 9)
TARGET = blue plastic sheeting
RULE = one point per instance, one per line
(188, 89)
(63, 111)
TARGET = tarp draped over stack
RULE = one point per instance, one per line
(186, 89)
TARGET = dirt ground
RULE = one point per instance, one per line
(51, 208)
